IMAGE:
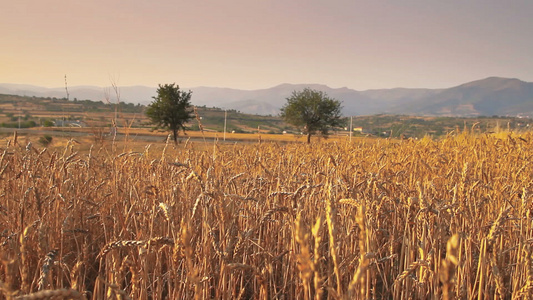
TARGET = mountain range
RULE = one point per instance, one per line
(485, 97)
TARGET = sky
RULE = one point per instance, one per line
(255, 44)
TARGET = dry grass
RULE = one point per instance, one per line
(408, 219)
(141, 134)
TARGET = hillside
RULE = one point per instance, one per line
(486, 97)
(418, 126)
(491, 96)
(25, 112)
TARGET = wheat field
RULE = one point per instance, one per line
(388, 219)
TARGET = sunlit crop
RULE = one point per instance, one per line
(390, 219)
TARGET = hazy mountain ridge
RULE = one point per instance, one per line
(489, 96)
(133, 94)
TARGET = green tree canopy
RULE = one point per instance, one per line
(171, 109)
(313, 111)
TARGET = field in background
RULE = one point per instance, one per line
(138, 138)
(96, 119)
(384, 219)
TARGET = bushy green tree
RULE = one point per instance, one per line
(48, 123)
(171, 109)
(312, 111)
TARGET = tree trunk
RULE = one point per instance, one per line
(175, 135)
(309, 138)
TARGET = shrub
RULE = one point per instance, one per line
(48, 123)
(45, 140)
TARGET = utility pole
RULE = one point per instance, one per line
(225, 119)
(66, 87)
(62, 106)
(351, 128)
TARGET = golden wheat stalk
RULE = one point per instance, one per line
(448, 266)
(527, 290)
(305, 264)
(260, 276)
(45, 270)
(330, 220)
(496, 228)
(364, 256)
(119, 245)
(160, 241)
(53, 294)
(23, 258)
(157, 241)
(164, 207)
(269, 213)
(350, 201)
(317, 279)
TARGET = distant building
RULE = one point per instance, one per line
(69, 123)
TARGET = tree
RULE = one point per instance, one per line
(171, 109)
(313, 110)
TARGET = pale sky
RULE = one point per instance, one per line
(254, 44)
